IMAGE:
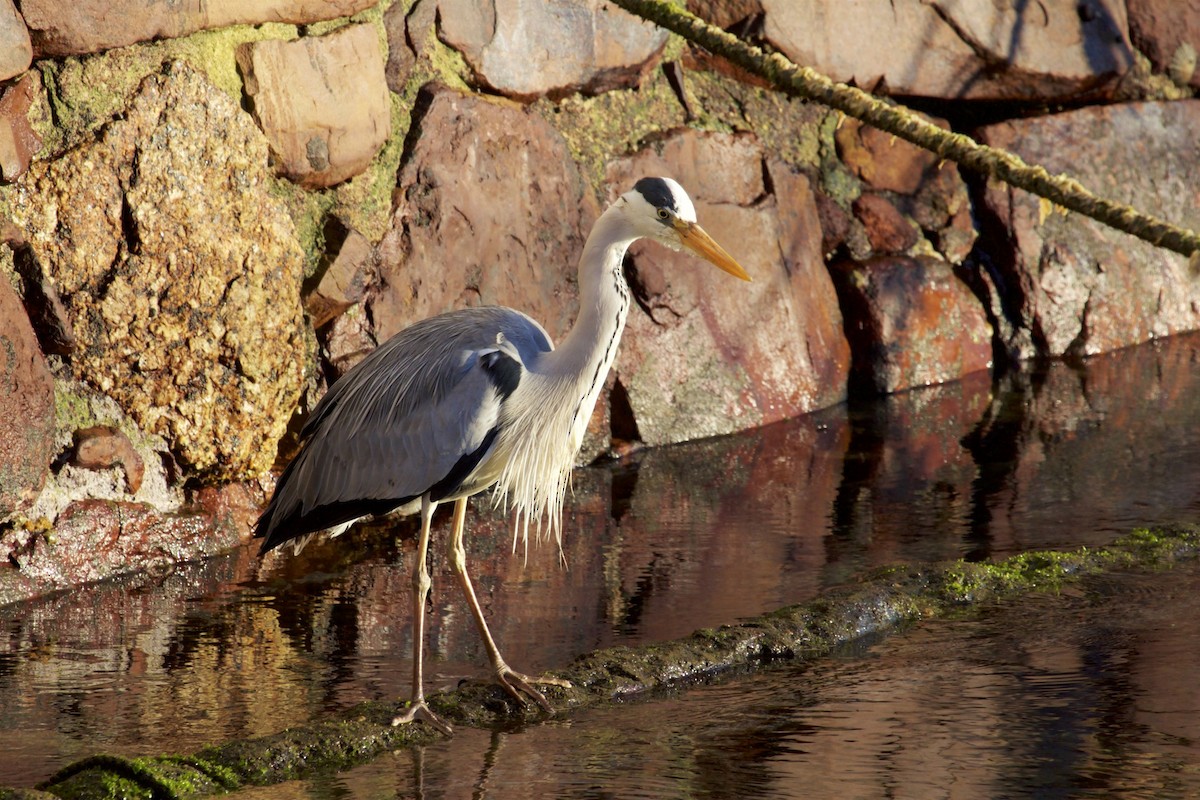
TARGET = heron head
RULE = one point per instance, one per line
(661, 210)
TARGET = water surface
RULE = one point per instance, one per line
(693, 536)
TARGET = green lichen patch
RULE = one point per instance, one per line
(614, 124)
(82, 94)
(364, 202)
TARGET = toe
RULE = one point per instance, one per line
(419, 712)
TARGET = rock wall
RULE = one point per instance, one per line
(213, 211)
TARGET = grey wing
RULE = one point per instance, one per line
(417, 416)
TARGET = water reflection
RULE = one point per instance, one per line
(670, 541)
(1087, 695)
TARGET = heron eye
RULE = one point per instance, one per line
(663, 213)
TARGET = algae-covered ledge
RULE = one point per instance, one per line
(882, 602)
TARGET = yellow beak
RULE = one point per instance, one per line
(695, 239)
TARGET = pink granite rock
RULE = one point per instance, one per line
(492, 211)
(1054, 49)
(1163, 29)
(18, 142)
(322, 102)
(705, 354)
(913, 323)
(16, 51)
(887, 230)
(60, 28)
(26, 407)
(1076, 287)
(526, 50)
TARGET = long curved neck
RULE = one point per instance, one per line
(544, 430)
(590, 346)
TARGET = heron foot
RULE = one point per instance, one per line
(522, 686)
(419, 712)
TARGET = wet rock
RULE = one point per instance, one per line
(98, 539)
(709, 354)
(913, 323)
(993, 51)
(491, 210)
(322, 101)
(61, 28)
(1163, 30)
(887, 230)
(1075, 287)
(180, 272)
(16, 51)
(18, 142)
(526, 50)
(343, 278)
(104, 447)
(231, 509)
(26, 407)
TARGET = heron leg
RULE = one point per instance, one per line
(512, 681)
(418, 710)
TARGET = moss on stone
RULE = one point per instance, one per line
(598, 129)
(614, 124)
(365, 201)
(886, 599)
(836, 180)
(83, 93)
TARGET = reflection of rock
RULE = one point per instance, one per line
(998, 51)
(179, 271)
(687, 526)
(908, 476)
(710, 354)
(26, 407)
(322, 102)
(529, 49)
(1098, 443)
(1074, 285)
(917, 323)
(69, 28)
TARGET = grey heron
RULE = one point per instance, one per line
(470, 399)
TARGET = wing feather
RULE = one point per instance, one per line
(420, 412)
